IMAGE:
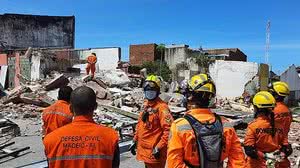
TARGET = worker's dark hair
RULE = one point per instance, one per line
(64, 93)
(200, 99)
(269, 113)
(83, 101)
(94, 54)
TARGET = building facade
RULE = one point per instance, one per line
(140, 53)
(23, 31)
(292, 77)
(180, 61)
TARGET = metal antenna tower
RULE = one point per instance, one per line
(267, 42)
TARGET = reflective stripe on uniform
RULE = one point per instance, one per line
(184, 127)
(58, 113)
(79, 157)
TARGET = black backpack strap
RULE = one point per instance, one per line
(194, 122)
(197, 125)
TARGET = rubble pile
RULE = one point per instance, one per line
(294, 139)
(119, 101)
(237, 104)
(131, 101)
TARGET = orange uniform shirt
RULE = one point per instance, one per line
(91, 59)
(154, 132)
(283, 116)
(55, 116)
(83, 143)
(259, 136)
(182, 147)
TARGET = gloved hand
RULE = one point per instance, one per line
(132, 148)
(145, 116)
(155, 153)
(268, 156)
(276, 156)
(287, 150)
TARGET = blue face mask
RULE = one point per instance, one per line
(150, 94)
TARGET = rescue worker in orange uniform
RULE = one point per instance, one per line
(153, 127)
(264, 138)
(82, 143)
(91, 64)
(58, 114)
(202, 139)
(283, 115)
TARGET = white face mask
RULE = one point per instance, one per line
(150, 94)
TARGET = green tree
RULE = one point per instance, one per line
(161, 50)
(202, 60)
(154, 68)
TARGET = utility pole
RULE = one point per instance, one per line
(267, 42)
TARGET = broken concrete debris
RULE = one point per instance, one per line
(113, 78)
(57, 82)
(119, 104)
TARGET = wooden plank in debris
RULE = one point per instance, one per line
(13, 153)
(6, 145)
(231, 113)
(120, 111)
(124, 146)
(57, 82)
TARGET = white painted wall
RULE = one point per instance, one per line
(107, 58)
(175, 55)
(35, 66)
(230, 77)
(291, 77)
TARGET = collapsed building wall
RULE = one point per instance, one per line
(230, 77)
(23, 31)
(292, 77)
(107, 58)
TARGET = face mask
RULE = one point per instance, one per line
(150, 94)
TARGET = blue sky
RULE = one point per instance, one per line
(210, 24)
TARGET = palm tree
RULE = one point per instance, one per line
(161, 49)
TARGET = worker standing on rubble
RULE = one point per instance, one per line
(58, 114)
(91, 64)
(283, 116)
(82, 143)
(202, 139)
(152, 130)
(264, 138)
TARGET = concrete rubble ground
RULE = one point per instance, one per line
(120, 100)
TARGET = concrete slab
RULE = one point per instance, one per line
(57, 82)
(3, 73)
(35, 67)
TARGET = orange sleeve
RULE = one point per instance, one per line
(166, 120)
(175, 149)
(135, 137)
(236, 157)
(287, 129)
(249, 137)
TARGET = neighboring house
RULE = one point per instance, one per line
(22, 31)
(178, 58)
(292, 77)
(140, 53)
(228, 54)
